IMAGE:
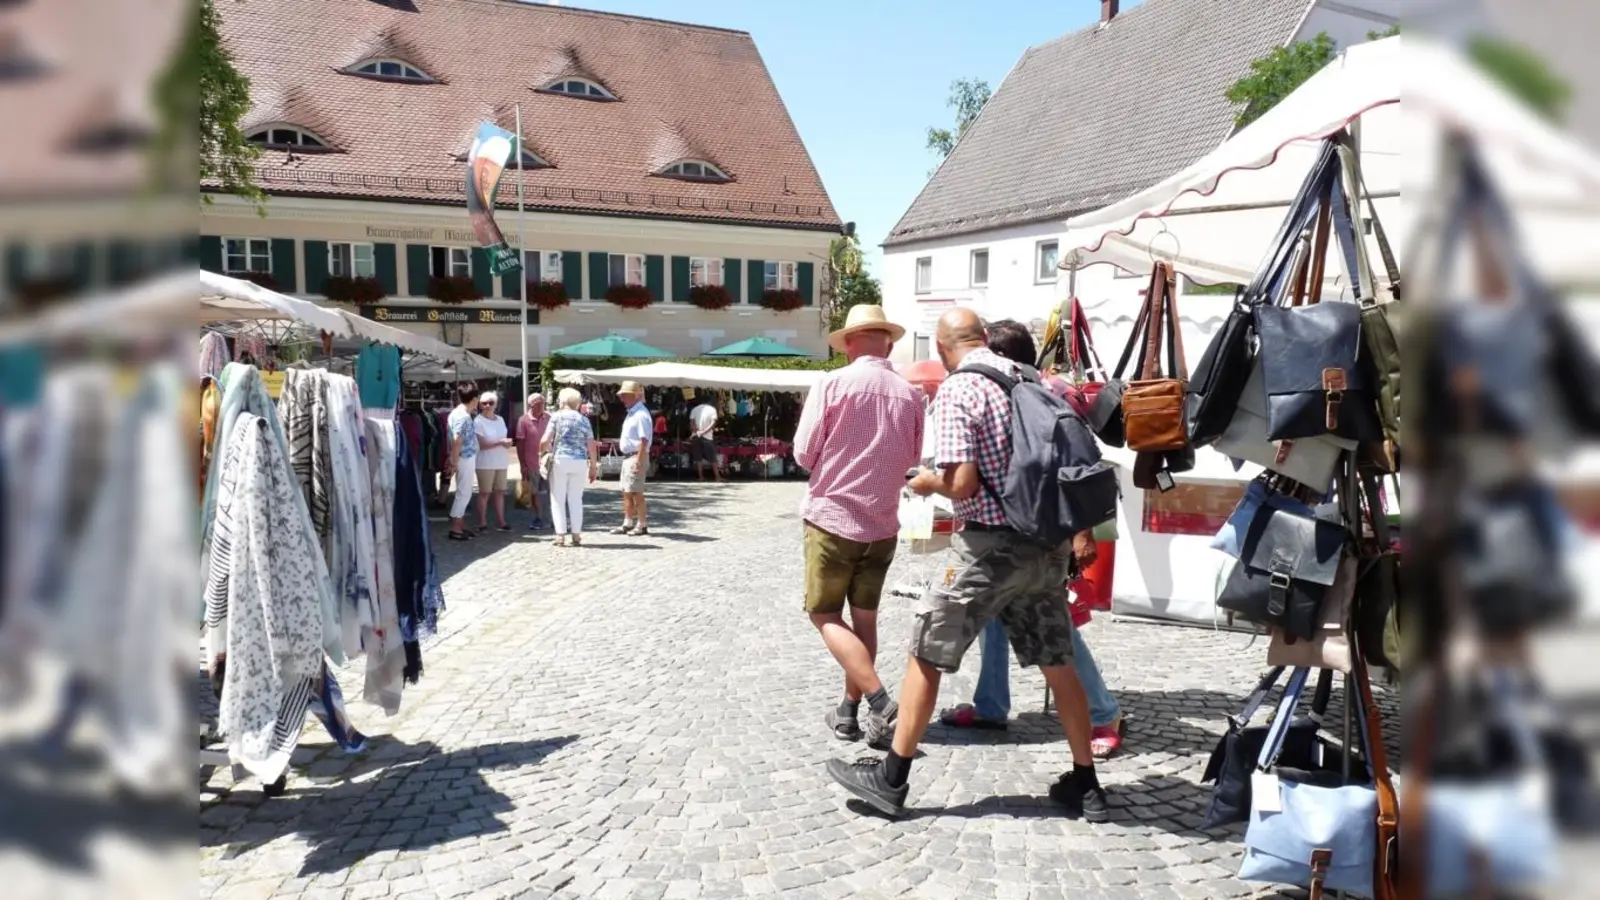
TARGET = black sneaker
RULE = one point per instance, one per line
(879, 727)
(865, 779)
(845, 728)
(1089, 803)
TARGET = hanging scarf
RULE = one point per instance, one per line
(417, 591)
(263, 598)
(352, 564)
(304, 411)
(213, 354)
(386, 657)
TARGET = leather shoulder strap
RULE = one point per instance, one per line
(1134, 340)
(1154, 335)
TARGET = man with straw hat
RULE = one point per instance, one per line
(638, 429)
(859, 434)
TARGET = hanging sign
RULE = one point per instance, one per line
(486, 160)
(476, 315)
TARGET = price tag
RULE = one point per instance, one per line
(1264, 794)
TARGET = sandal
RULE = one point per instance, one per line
(966, 716)
(1105, 740)
(504, 527)
(637, 531)
(577, 541)
(459, 536)
(561, 541)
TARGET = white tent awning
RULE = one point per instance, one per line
(224, 299)
(671, 374)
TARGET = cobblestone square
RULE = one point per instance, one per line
(642, 717)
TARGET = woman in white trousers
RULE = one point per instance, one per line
(576, 461)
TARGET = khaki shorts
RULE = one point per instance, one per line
(995, 574)
(840, 571)
(633, 476)
(490, 481)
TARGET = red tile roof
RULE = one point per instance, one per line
(682, 91)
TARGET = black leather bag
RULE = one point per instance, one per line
(1288, 562)
(1105, 413)
(1510, 554)
(1317, 380)
(1218, 380)
(1234, 757)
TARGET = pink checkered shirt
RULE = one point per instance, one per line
(972, 424)
(860, 432)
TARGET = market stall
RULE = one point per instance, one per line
(758, 410)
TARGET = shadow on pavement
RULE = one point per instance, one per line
(420, 798)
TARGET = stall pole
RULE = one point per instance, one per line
(522, 248)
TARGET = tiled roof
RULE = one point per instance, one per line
(1098, 114)
(682, 90)
(75, 93)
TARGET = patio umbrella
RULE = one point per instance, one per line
(613, 345)
(758, 346)
(927, 374)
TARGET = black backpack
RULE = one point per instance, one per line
(1056, 484)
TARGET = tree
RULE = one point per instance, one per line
(1276, 75)
(854, 290)
(202, 85)
(1524, 74)
(848, 282)
(967, 97)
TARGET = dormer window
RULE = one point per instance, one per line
(391, 70)
(695, 170)
(578, 87)
(288, 137)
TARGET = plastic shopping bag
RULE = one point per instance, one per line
(916, 517)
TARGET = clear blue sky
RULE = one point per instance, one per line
(864, 79)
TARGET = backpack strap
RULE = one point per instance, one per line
(1006, 382)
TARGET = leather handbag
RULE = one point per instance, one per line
(1234, 757)
(1088, 374)
(1375, 608)
(1511, 551)
(1224, 367)
(1105, 411)
(1329, 645)
(1286, 566)
(1312, 830)
(1230, 537)
(1152, 405)
(1380, 312)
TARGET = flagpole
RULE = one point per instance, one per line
(522, 248)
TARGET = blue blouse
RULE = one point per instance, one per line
(572, 434)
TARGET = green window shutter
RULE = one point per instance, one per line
(283, 267)
(756, 277)
(16, 264)
(384, 267)
(482, 274)
(509, 288)
(211, 253)
(122, 262)
(655, 277)
(680, 279)
(316, 266)
(82, 265)
(803, 282)
(730, 278)
(599, 275)
(417, 270)
(572, 273)
(188, 249)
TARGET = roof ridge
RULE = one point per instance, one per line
(600, 13)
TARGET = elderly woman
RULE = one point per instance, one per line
(570, 437)
(494, 457)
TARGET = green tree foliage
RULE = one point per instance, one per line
(848, 281)
(202, 85)
(1389, 32)
(1276, 75)
(967, 97)
(854, 290)
(1524, 74)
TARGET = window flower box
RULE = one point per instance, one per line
(782, 300)
(710, 296)
(264, 279)
(547, 295)
(358, 289)
(629, 296)
(453, 289)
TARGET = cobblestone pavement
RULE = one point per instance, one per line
(643, 718)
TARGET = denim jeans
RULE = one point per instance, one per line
(992, 699)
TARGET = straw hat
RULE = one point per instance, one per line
(630, 387)
(864, 317)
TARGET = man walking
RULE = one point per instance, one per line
(995, 572)
(859, 434)
(702, 449)
(638, 430)
(530, 430)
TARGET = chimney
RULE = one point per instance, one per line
(1108, 10)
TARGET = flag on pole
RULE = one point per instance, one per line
(492, 148)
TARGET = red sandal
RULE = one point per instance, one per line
(966, 716)
(1105, 740)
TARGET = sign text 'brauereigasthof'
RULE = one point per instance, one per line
(477, 315)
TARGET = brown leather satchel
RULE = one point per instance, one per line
(1152, 405)
(1386, 865)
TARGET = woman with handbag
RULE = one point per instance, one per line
(570, 446)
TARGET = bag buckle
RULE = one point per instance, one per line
(1278, 582)
(1283, 451)
(1334, 384)
(1321, 858)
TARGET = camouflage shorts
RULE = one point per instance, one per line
(995, 574)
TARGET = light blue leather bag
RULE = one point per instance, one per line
(1310, 835)
(1230, 538)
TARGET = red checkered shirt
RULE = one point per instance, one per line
(972, 424)
(860, 432)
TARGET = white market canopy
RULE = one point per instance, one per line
(672, 374)
(225, 299)
(1216, 218)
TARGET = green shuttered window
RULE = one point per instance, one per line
(417, 270)
(385, 268)
(680, 279)
(211, 253)
(283, 265)
(316, 266)
(482, 271)
(804, 282)
(572, 273)
(756, 278)
(599, 275)
(730, 279)
(655, 276)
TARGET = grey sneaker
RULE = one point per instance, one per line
(845, 728)
(879, 727)
(864, 778)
